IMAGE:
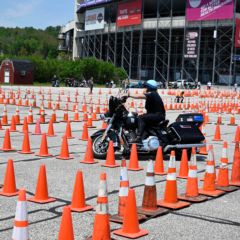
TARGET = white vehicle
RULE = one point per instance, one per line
(183, 83)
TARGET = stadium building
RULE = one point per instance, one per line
(164, 40)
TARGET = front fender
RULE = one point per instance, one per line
(111, 134)
(98, 133)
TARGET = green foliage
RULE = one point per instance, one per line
(90, 68)
(40, 46)
(120, 74)
(106, 72)
(29, 41)
(101, 71)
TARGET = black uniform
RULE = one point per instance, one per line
(155, 112)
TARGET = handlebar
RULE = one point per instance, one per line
(123, 99)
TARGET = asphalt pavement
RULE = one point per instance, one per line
(217, 218)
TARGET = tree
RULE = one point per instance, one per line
(90, 68)
(38, 42)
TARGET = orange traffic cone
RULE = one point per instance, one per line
(123, 194)
(42, 117)
(78, 198)
(76, 115)
(210, 157)
(51, 129)
(68, 132)
(54, 116)
(149, 203)
(104, 125)
(223, 174)
(85, 117)
(64, 154)
(37, 128)
(133, 162)
(219, 119)
(26, 145)
(192, 194)
(20, 229)
(203, 150)
(159, 164)
(44, 147)
(7, 142)
(17, 117)
(65, 116)
(237, 135)
(94, 116)
(66, 227)
(89, 122)
(30, 116)
(25, 125)
(4, 116)
(85, 133)
(9, 187)
(170, 196)
(89, 158)
(130, 228)
(235, 176)
(110, 161)
(217, 136)
(209, 186)
(13, 125)
(206, 119)
(101, 228)
(41, 194)
(232, 121)
(183, 172)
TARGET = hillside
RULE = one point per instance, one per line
(29, 41)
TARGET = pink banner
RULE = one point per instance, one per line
(200, 10)
(237, 34)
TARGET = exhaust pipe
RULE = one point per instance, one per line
(181, 146)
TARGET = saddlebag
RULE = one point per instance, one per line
(185, 132)
(195, 118)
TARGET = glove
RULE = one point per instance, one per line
(124, 99)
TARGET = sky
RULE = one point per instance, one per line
(35, 13)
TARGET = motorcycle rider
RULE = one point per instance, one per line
(154, 106)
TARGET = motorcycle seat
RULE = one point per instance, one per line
(163, 123)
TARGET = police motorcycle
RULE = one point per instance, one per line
(122, 126)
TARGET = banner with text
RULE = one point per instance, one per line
(94, 19)
(237, 34)
(129, 13)
(191, 44)
(200, 10)
(88, 3)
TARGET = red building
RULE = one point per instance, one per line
(16, 72)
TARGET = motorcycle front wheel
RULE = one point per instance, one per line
(100, 147)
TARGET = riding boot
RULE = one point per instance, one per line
(141, 126)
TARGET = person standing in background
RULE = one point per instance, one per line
(235, 87)
(90, 84)
(209, 85)
(199, 86)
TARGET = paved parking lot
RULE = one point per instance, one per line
(214, 219)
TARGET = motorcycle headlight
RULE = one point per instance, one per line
(102, 116)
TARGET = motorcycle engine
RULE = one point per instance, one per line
(131, 121)
(151, 143)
